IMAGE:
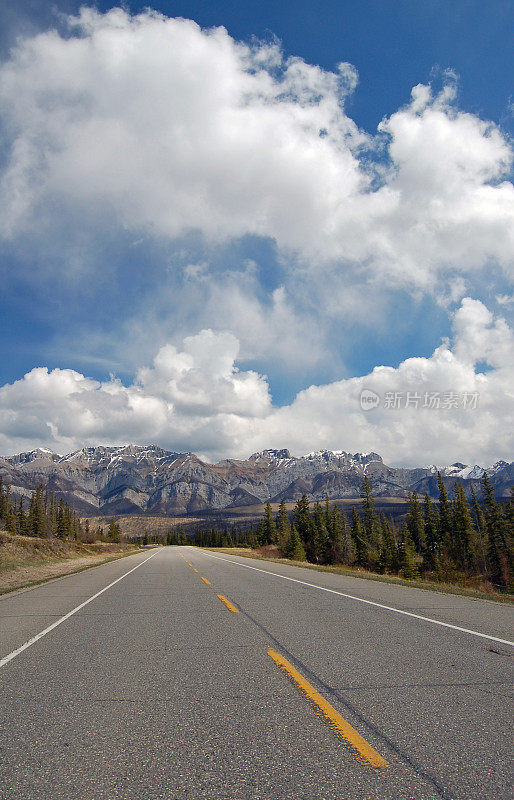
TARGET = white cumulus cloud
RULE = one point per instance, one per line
(158, 125)
(195, 398)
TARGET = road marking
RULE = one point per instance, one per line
(228, 604)
(195, 570)
(335, 720)
(206, 581)
(51, 627)
(368, 602)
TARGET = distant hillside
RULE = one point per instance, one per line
(135, 479)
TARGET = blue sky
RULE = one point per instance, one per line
(332, 223)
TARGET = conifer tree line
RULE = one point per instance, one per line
(213, 537)
(46, 517)
(446, 540)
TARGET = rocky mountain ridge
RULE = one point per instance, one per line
(138, 479)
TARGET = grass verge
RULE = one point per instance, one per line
(27, 561)
(357, 572)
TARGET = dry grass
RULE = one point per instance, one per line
(27, 560)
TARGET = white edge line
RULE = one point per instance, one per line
(368, 602)
(51, 627)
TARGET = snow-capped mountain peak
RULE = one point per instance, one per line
(38, 454)
(137, 478)
(467, 472)
(270, 455)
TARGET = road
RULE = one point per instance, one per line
(150, 685)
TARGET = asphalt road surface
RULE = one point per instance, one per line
(153, 683)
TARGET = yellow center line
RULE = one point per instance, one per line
(368, 755)
(228, 604)
(195, 570)
(206, 581)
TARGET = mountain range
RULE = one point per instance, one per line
(138, 479)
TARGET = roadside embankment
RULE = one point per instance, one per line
(28, 560)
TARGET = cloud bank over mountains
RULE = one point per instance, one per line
(196, 399)
(152, 127)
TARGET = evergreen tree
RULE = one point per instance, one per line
(481, 529)
(320, 541)
(369, 517)
(477, 511)
(226, 539)
(500, 550)
(370, 526)
(328, 518)
(303, 524)
(340, 548)
(267, 532)
(444, 521)
(114, 530)
(76, 529)
(11, 520)
(59, 520)
(430, 521)
(296, 549)
(36, 516)
(406, 554)
(51, 516)
(464, 540)
(388, 561)
(359, 541)
(67, 522)
(416, 523)
(283, 528)
(22, 522)
(510, 509)
(348, 546)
